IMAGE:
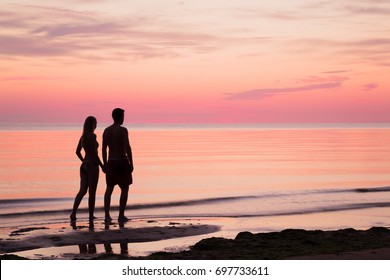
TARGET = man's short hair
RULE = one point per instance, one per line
(118, 114)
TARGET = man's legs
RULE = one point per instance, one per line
(107, 202)
(123, 203)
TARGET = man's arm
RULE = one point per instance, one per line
(128, 149)
(104, 148)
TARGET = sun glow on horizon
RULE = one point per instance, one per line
(195, 62)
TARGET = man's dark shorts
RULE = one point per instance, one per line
(118, 172)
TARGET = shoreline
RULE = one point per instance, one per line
(41, 241)
(190, 239)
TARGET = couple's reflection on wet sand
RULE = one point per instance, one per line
(87, 249)
(124, 248)
(90, 248)
(74, 225)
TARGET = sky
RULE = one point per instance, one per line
(195, 61)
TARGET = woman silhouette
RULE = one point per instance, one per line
(89, 169)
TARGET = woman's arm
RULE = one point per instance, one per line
(96, 153)
(78, 151)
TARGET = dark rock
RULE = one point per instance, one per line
(214, 243)
(11, 257)
(245, 235)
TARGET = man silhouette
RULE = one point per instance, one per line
(119, 166)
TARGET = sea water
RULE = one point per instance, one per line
(277, 176)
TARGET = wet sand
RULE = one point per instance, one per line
(207, 242)
(84, 233)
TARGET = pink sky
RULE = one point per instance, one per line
(194, 61)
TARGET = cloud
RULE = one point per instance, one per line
(26, 78)
(12, 45)
(369, 87)
(343, 8)
(91, 1)
(280, 15)
(377, 42)
(78, 29)
(318, 79)
(270, 92)
(364, 51)
(376, 11)
(97, 36)
(336, 71)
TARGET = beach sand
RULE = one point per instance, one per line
(195, 240)
(41, 241)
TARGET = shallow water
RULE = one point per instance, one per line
(245, 174)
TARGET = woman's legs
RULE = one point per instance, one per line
(83, 190)
(93, 178)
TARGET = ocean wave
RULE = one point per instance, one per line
(5, 202)
(302, 211)
(198, 202)
(377, 189)
(337, 208)
(32, 200)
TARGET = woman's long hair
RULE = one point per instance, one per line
(89, 127)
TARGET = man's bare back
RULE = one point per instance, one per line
(116, 138)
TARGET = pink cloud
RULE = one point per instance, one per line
(270, 92)
(368, 10)
(84, 35)
(26, 78)
(327, 79)
(83, 29)
(369, 87)
(12, 45)
(335, 71)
